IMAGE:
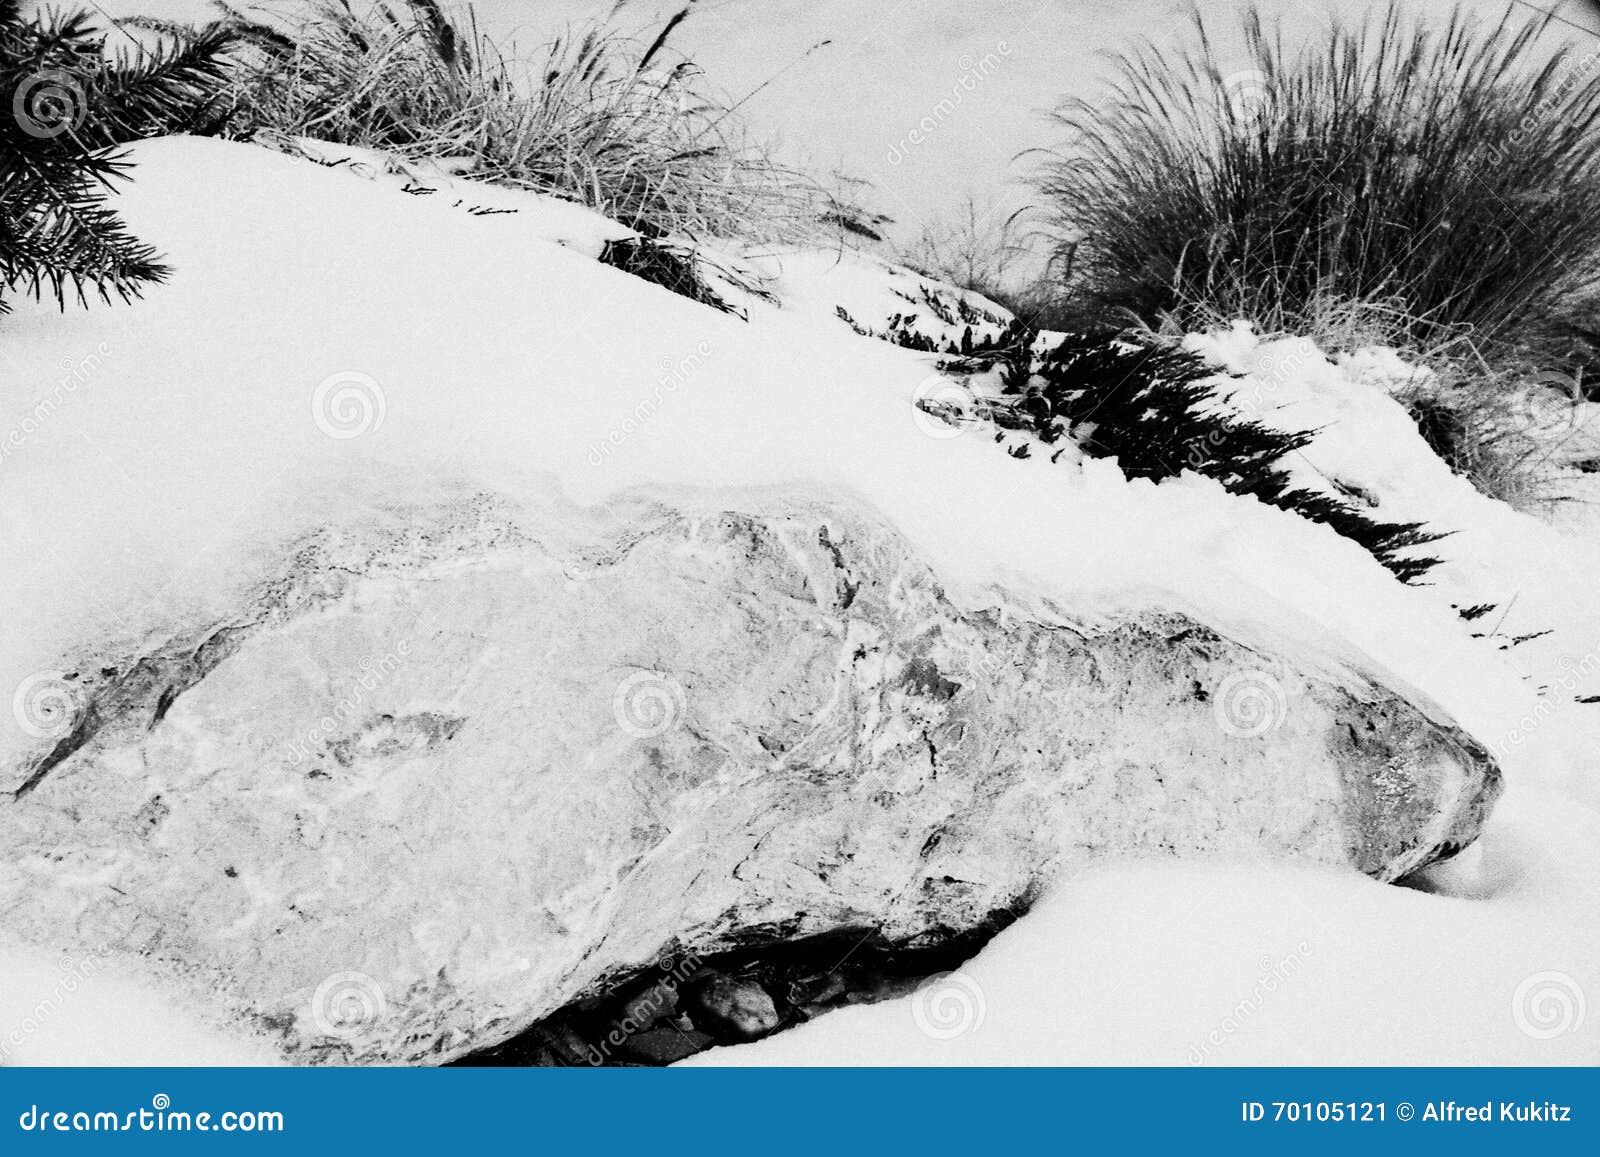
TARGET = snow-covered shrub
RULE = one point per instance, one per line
(1449, 167)
(627, 128)
(1153, 406)
(1467, 397)
(70, 104)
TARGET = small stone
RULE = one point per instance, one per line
(645, 1009)
(731, 1008)
(829, 987)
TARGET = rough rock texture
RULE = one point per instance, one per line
(446, 774)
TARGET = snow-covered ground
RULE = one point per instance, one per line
(86, 1008)
(331, 344)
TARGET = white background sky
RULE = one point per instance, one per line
(890, 62)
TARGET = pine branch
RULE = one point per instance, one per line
(166, 89)
(73, 106)
(1154, 408)
(68, 236)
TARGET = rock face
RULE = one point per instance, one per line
(453, 771)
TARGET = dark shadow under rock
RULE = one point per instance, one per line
(679, 1006)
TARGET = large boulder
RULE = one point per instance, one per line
(451, 770)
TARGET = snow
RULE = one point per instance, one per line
(330, 346)
(1185, 964)
(502, 360)
(552, 218)
(873, 292)
(91, 1008)
(818, 282)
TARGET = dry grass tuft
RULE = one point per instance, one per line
(627, 127)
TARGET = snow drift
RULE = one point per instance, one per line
(331, 349)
